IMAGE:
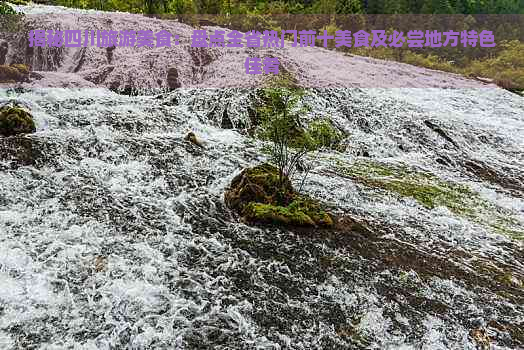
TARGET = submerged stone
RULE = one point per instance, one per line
(17, 151)
(15, 121)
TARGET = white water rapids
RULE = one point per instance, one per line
(114, 234)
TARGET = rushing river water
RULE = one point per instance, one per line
(114, 233)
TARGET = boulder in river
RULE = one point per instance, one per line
(191, 137)
(15, 120)
(259, 196)
(172, 78)
(4, 49)
(14, 72)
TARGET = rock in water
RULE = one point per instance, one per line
(172, 78)
(4, 49)
(15, 121)
(260, 185)
(440, 132)
(109, 53)
(18, 151)
(259, 196)
(191, 137)
(226, 121)
(14, 73)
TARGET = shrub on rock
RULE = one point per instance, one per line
(15, 121)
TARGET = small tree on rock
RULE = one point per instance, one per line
(279, 110)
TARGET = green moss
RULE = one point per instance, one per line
(509, 280)
(6, 9)
(426, 189)
(14, 121)
(429, 195)
(272, 214)
(21, 68)
(312, 209)
(431, 192)
(302, 211)
(325, 134)
(260, 184)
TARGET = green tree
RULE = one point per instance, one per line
(279, 112)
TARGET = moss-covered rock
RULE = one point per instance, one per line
(275, 214)
(259, 184)
(16, 72)
(259, 196)
(9, 73)
(15, 121)
(302, 211)
(22, 68)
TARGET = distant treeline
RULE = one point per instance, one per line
(503, 63)
(302, 7)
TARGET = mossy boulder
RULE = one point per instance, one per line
(15, 121)
(9, 73)
(302, 211)
(22, 68)
(259, 196)
(16, 72)
(259, 184)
